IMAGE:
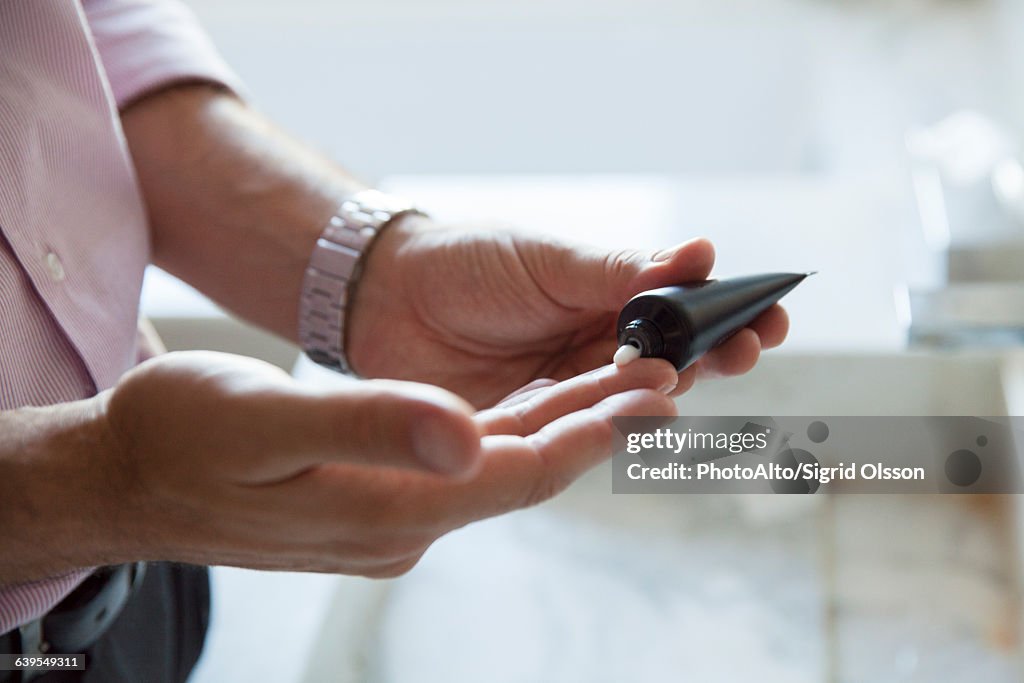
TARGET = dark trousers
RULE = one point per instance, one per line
(159, 635)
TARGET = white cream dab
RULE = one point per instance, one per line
(626, 354)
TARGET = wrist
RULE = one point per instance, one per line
(334, 273)
(61, 487)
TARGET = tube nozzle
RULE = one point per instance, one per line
(626, 354)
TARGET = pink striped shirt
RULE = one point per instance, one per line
(73, 233)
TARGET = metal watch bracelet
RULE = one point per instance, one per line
(334, 270)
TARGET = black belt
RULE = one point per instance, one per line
(78, 621)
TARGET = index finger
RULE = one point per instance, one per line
(540, 407)
(520, 471)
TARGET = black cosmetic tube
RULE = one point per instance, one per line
(682, 323)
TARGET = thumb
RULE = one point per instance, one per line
(605, 280)
(394, 424)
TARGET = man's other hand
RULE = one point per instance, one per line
(219, 459)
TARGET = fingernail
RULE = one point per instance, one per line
(438, 445)
(670, 387)
(665, 254)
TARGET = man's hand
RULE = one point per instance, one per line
(480, 312)
(218, 459)
(235, 208)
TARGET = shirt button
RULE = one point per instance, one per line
(55, 266)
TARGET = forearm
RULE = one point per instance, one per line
(58, 503)
(234, 205)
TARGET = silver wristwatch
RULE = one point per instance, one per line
(333, 273)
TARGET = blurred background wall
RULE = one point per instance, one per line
(568, 86)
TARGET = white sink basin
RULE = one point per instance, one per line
(594, 587)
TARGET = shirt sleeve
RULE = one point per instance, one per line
(146, 44)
